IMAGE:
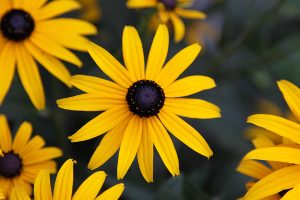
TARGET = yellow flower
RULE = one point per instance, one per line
(90, 10)
(29, 32)
(23, 158)
(63, 187)
(141, 104)
(170, 10)
(288, 153)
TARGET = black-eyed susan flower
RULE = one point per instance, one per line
(90, 10)
(29, 32)
(170, 10)
(63, 187)
(286, 179)
(142, 104)
(22, 158)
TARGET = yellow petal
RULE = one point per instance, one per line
(133, 53)
(18, 193)
(112, 193)
(253, 169)
(8, 63)
(262, 141)
(179, 29)
(22, 137)
(100, 124)
(34, 144)
(5, 135)
(94, 85)
(50, 63)
(190, 14)
(90, 187)
(71, 41)
(55, 8)
(145, 153)
(189, 85)
(64, 182)
(33, 6)
(192, 108)
(30, 172)
(274, 183)
(141, 3)
(42, 186)
(30, 77)
(291, 94)
(110, 66)
(177, 65)
(89, 102)
(280, 154)
(158, 52)
(54, 49)
(109, 145)
(4, 6)
(164, 145)
(278, 125)
(41, 155)
(185, 133)
(129, 145)
(65, 25)
(292, 194)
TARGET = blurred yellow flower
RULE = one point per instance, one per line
(286, 178)
(1, 194)
(91, 10)
(170, 10)
(63, 187)
(141, 104)
(30, 32)
(23, 158)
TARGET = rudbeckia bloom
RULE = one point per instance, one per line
(170, 10)
(29, 32)
(141, 104)
(287, 178)
(21, 159)
(63, 187)
(2, 194)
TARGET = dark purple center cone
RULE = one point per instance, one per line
(169, 4)
(10, 165)
(17, 25)
(145, 98)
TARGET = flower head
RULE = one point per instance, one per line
(141, 104)
(282, 178)
(21, 159)
(170, 10)
(29, 32)
(63, 187)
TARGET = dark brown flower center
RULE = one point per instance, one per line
(10, 165)
(17, 25)
(169, 4)
(145, 98)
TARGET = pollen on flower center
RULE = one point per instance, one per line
(10, 165)
(17, 25)
(145, 98)
(169, 4)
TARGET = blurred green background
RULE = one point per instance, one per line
(247, 46)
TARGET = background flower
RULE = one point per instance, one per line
(31, 32)
(23, 158)
(63, 187)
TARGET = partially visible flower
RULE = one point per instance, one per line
(91, 10)
(30, 32)
(170, 10)
(142, 104)
(23, 158)
(286, 180)
(63, 187)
